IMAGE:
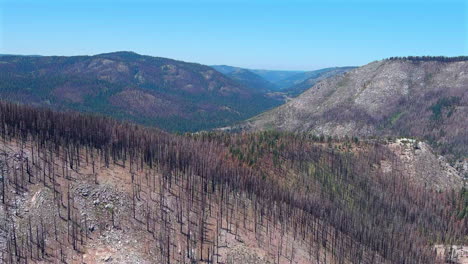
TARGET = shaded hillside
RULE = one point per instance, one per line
(169, 94)
(78, 188)
(297, 84)
(423, 97)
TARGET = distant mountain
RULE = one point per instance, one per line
(246, 77)
(296, 84)
(421, 97)
(275, 76)
(251, 80)
(20, 55)
(292, 83)
(225, 69)
(270, 77)
(170, 94)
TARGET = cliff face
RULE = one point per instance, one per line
(425, 99)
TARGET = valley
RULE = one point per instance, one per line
(172, 95)
(368, 165)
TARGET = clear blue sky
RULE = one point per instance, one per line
(302, 35)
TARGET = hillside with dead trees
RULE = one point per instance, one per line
(84, 189)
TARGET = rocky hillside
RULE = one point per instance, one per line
(426, 98)
(169, 94)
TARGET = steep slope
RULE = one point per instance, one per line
(169, 94)
(297, 84)
(416, 97)
(83, 189)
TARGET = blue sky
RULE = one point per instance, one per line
(294, 35)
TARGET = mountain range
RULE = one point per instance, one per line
(272, 76)
(251, 80)
(170, 94)
(422, 97)
(357, 165)
(293, 82)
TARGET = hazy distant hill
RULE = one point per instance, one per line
(275, 76)
(20, 55)
(300, 82)
(419, 97)
(270, 76)
(225, 69)
(250, 79)
(292, 83)
(170, 94)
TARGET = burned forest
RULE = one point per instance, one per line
(78, 188)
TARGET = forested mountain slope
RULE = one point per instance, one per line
(423, 97)
(79, 188)
(170, 94)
